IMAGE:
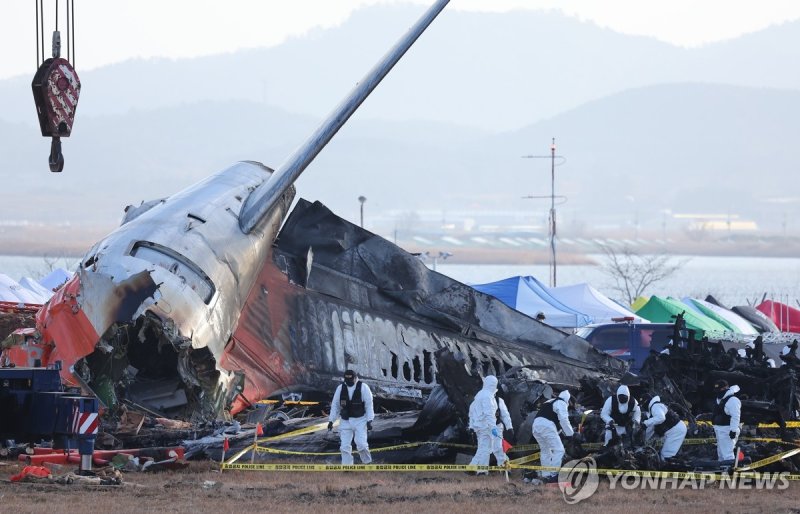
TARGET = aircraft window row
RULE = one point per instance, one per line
(417, 371)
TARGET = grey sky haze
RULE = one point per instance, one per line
(113, 31)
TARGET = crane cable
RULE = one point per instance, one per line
(56, 87)
(39, 22)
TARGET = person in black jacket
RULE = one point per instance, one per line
(664, 422)
(727, 414)
(352, 401)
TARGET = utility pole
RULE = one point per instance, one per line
(552, 216)
(553, 213)
(361, 200)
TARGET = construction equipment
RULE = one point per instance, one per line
(35, 407)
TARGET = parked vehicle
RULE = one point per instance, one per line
(627, 340)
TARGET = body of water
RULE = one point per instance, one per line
(17, 267)
(732, 280)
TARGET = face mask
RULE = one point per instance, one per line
(349, 381)
(622, 398)
(721, 393)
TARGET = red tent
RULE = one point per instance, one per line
(787, 318)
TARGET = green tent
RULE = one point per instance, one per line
(662, 310)
(730, 327)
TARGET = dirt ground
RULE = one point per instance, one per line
(202, 489)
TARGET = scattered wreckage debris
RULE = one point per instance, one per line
(43, 475)
(523, 388)
(15, 316)
(684, 373)
(142, 459)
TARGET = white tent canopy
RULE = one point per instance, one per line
(528, 296)
(55, 278)
(12, 291)
(585, 298)
(731, 317)
(35, 287)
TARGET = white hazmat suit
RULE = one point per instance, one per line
(355, 427)
(545, 431)
(505, 424)
(608, 413)
(674, 436)
(483, 420)
(733, 408)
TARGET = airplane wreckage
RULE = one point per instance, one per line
(200, 303)
(203, 303)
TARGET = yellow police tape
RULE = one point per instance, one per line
(471, 468)
(789, 424)
(266, 449)
(362, 467)
(287, 402)
(519, 463)
(769, 460)
(524, 460)
(306, 430)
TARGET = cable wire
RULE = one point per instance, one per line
(73, 33)
(36, 5)
(41, 22)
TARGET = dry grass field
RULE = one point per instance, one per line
(190, 491)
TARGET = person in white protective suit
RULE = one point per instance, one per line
(553, 414)
(789, 355)
(352, 401)
(504, 426)
(621, 411)
(483, 421)
(663, 422)
(727, 414)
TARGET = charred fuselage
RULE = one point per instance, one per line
(195, 306)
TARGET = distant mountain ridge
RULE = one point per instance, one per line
(631, 156)
(497, 71)
(648, 129)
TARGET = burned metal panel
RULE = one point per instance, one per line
(367, 271)
(299, 332)
(368, 305)
(391, 351)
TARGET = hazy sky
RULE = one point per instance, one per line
(112, 31)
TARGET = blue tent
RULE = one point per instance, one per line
(529, 296)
